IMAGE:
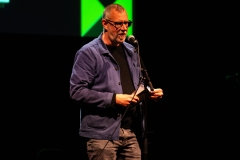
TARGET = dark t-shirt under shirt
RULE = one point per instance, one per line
(126, 82)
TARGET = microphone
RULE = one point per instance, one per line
(132, 39)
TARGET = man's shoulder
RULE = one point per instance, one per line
(90, 43)
(94, 46)
(128, 45)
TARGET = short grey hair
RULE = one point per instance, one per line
(110, 7)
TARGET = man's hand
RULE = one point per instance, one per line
(156, 94)
(125, 99)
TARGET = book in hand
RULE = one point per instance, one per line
(142, 92)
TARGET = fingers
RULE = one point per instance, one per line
(125, 99)
(134, 99)
(157, 94)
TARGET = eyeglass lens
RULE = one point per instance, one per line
(120, 24)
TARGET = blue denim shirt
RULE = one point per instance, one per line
(94, 80)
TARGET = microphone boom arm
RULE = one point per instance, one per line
(145, 78)
(143, 68)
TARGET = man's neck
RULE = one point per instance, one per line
(107, 41)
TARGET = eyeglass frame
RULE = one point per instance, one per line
(128, 23)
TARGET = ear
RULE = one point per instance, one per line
(104, 24)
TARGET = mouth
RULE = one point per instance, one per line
(122, 36)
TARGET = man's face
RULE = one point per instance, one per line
(116, 26)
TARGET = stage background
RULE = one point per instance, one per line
(189, 49)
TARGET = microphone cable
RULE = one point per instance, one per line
(121, 118)
(135, 42)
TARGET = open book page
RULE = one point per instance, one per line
(140, 89)
(141, 92)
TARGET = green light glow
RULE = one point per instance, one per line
(91, 15)
(91, 11)
(4, 1)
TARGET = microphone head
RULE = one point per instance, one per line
(132, 39)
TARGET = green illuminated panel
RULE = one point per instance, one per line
(4, 1)
(91, 16)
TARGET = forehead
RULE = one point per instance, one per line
(118, 16)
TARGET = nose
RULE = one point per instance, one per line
(124, 27)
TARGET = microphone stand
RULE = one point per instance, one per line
(147, 80)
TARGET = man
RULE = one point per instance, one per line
(106, 73)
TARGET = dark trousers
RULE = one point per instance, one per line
(126, 148)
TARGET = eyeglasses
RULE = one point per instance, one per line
(120, 24)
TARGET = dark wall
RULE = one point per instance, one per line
(47, 18)
(190, 52)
